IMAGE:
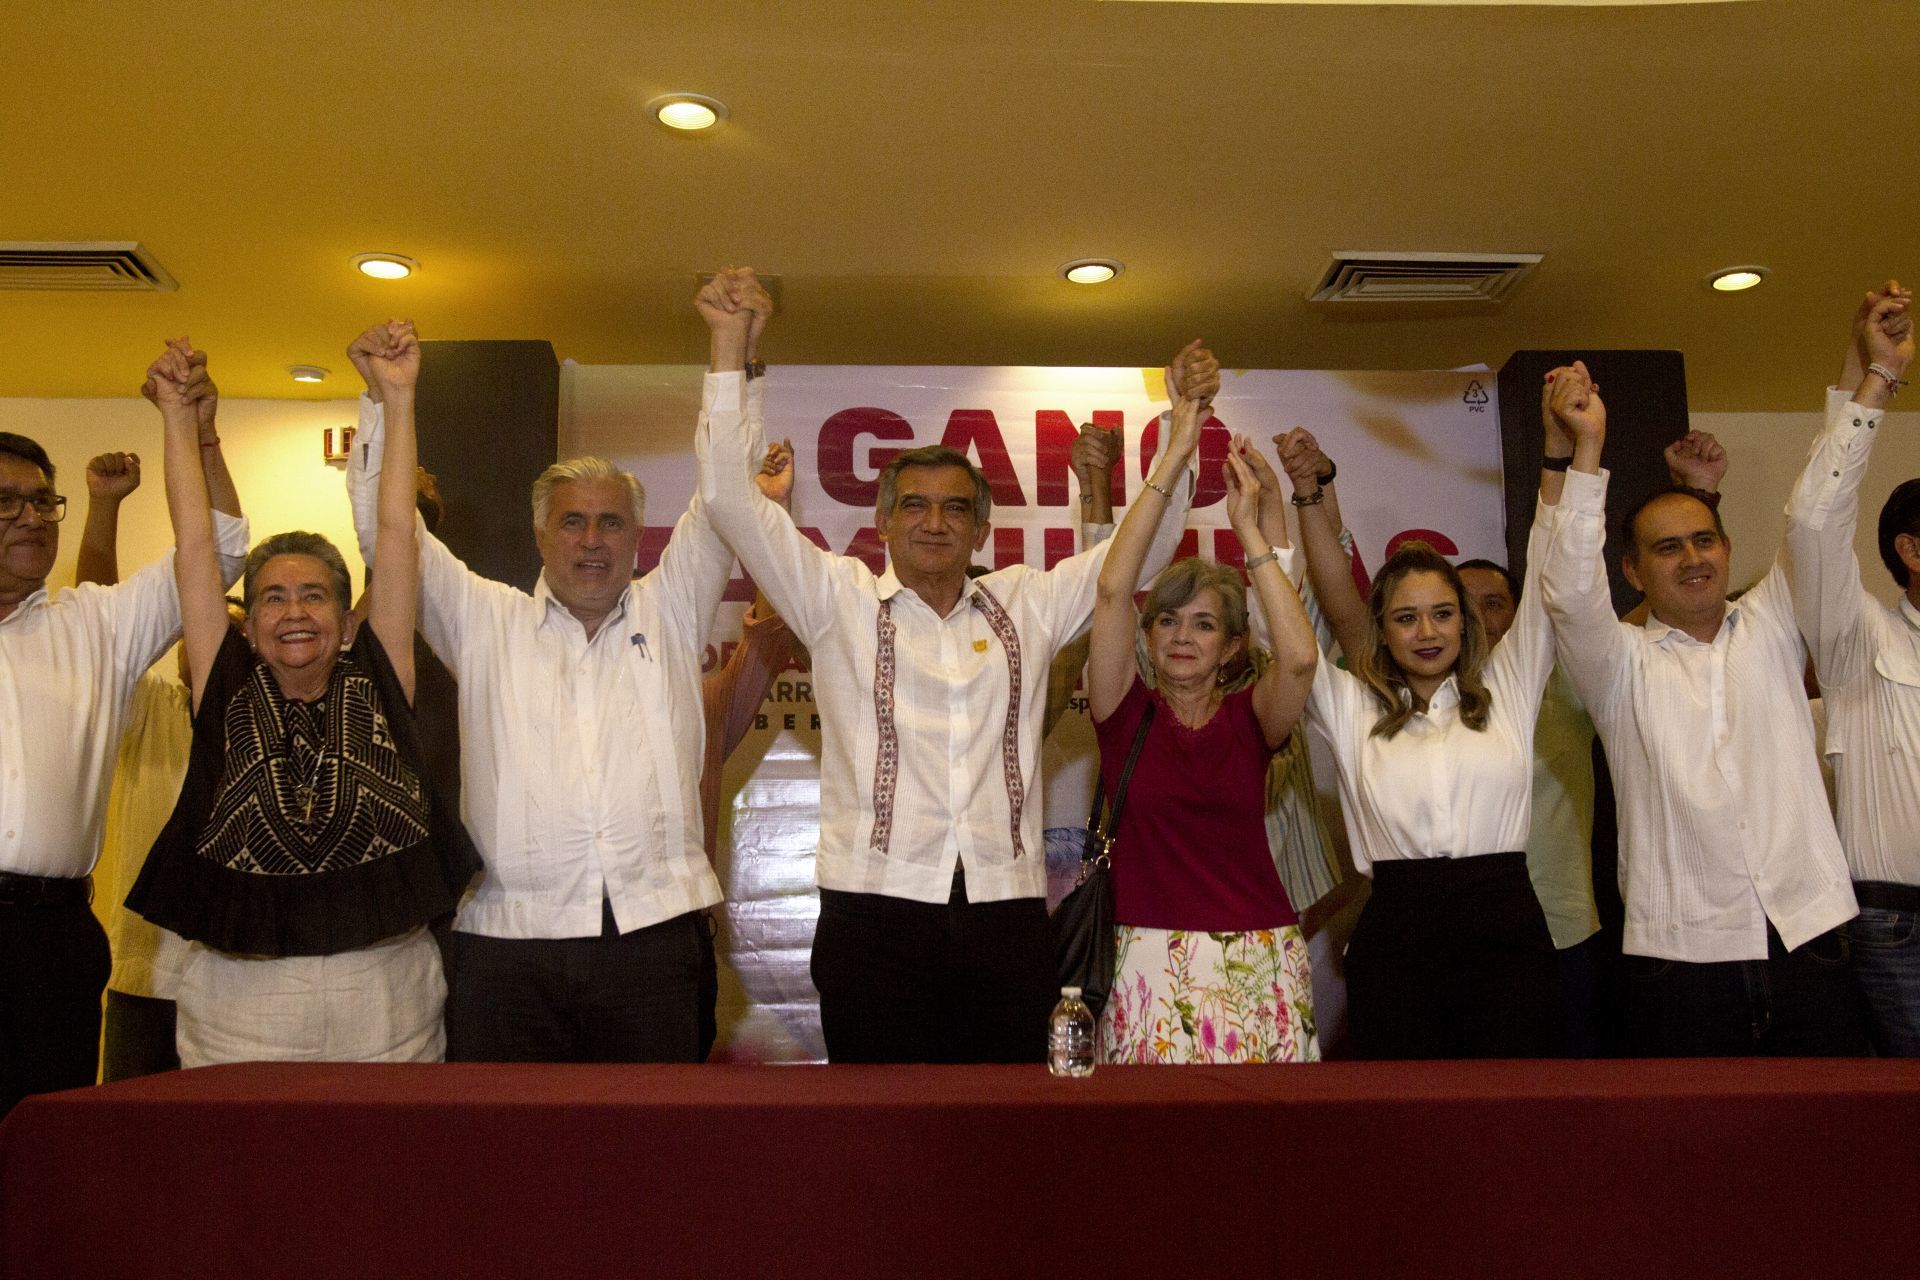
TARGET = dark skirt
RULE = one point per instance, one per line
(1452, 959)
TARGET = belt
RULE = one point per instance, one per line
(1884, 895)
(17, 890)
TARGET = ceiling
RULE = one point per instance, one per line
(915, 173)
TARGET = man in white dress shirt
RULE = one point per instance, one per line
(1734, 882)
(1868, 660)
(68, 667)
(582, 736)
(933, 943)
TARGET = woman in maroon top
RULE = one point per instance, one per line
(1212, 966)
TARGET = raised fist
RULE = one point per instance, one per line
(1888, 333)
(113, 476)
(775, 476)
(1696, 461)
(1193, 377)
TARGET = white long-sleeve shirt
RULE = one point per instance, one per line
(1723, 818)
(68, 667)
(579, 758)
(1867, 655)
(930, 725)
(1438, 789)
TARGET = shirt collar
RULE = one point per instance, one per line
(1658, 632)
(551, 610)
(888, 585)
(1445, 698)
(32, 602)
(1911, 614)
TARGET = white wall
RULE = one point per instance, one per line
(1766, 453)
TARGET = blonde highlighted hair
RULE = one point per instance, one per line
(1383, 676)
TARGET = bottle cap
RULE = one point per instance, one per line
(1073, 992)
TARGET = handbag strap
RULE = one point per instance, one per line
(1100, 836)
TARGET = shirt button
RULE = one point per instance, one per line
(1856, 422)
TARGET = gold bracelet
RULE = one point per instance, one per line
(1157, 489)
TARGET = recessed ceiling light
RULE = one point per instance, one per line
(307, 372)
(687, 112)
(1091, 270)
(1734, 279)
(386, 266)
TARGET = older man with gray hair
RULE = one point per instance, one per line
(582, 735)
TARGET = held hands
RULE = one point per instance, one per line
(1095, 450)
(1696, 461)
(1301, 458)
(112, 476)
(735, 304)
(178, 381)
(1193, 379)
(1244, 488)
(775, 476)
(1887, 334)
(1571, 408)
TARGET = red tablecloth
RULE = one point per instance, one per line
(1487, 1169)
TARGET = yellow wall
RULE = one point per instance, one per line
(273, 448)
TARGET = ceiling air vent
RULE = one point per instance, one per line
(118, 266)
(1362, 276)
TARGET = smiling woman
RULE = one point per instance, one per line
(309, 848)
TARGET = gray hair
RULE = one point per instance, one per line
(297, 543)
(579, 469)
(935, 455)
(1182, 580)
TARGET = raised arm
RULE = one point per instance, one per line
(1822, 572)
(1329, 567)
(1192, 380)
(729, 444)
(1280, 695)
(222, 495)
(1853, 365)
(111, 477)
(393, 594)
(1588, 638)
(1096, 451)
(174, 383)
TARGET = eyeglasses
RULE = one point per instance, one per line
(50, 507)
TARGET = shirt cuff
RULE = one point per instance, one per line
(1586, 493)
(722, 388)
(231, 534)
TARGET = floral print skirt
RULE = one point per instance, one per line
(1182, 996)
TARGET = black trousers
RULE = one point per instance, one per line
(904, 981)
(620, 997)
(1452, 958)
(1799, 1003)
(138, 1039)
(53, 966)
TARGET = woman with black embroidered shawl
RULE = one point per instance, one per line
(308, 850)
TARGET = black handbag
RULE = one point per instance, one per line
(1083, 922)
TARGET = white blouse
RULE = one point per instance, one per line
(1438, 789)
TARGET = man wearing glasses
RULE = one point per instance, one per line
(68, 666)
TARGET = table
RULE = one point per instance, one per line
(1483, 1169)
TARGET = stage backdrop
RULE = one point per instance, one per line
(1419, 455)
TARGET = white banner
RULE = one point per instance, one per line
(1419, 456)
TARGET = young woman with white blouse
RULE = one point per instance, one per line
(1432, 738)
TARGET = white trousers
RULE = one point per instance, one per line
(379, 1004)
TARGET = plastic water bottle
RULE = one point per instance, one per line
(1070, 1036)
